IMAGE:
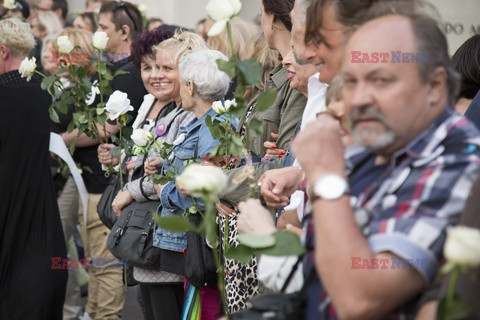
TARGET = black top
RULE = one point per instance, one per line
(132, 85)
(30, 228)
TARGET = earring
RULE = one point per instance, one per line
(272, 26)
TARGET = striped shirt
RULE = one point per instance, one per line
(406, 207)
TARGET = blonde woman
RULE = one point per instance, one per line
(46, 23)
(68, 198)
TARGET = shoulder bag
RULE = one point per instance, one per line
(131, 237)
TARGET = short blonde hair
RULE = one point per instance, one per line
(334, 90)
(82, 41)
(242, 32)
(17, 36)
(180, 43)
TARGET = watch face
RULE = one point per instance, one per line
(330, 187)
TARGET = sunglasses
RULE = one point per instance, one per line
(121, 5)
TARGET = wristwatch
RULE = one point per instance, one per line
(329, 187)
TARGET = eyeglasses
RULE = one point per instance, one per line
(121, 5)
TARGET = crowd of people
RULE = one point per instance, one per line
(369, 152)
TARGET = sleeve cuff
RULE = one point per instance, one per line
(419, 258)
(164, 195)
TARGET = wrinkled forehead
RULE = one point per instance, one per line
(389, 38)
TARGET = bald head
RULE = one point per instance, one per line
(388, 100)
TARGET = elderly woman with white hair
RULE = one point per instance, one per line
(201, 83)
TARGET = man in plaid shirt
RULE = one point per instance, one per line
(379, 217)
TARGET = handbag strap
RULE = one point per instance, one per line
(120, 229)
(290, 275)
(142, 242)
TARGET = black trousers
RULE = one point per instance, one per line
(162, 301)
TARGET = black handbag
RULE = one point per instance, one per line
(131, 237)
(104, 206)
(278, 306)
(200, 268)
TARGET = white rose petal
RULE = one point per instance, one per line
(219, 10)
(463, 246)
(218, 107)
(217, 28)
(8, 4)
(141, 137)
(64, 44)
(118, 104)
(197, 179)
(27, 68)
(237, 6)
(100, 40)
(228, 104)
(142, 8)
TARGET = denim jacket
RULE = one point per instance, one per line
(192, 141)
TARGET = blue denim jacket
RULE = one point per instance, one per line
(192, 141)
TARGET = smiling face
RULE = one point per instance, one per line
(388, 104)
(325, 49)
(149, 72)
(165, 78)
(298, 74)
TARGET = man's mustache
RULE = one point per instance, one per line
(370, 112)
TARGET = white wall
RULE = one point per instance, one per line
(461, 17)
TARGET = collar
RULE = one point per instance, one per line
(11, 77)
(196, 123)
(427, 141)
(279, 75)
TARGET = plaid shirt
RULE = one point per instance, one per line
(406, 207)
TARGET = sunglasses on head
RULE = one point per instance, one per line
(121, 5)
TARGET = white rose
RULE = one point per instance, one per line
(221, 11)
(228, 104)
(27, 68)
(141, 137)
(197, 179)
(64, 44)
(217, 106)
(8, 4)
(118, 104)
(143, 9)
(463, 246)
(100, 40)
(223, 106)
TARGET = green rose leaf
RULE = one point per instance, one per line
(48, 82)
(251, 71)
(53, 115)
(174, 223)
(215, 130)
(115, 151)
(226, 66)
(256, 241)
(286, 244)
(241, 254)
(266, 99)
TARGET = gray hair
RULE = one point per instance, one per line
(200, 66)
(17, 36)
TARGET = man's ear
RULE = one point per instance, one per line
(125, 32)
(438, 86)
